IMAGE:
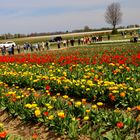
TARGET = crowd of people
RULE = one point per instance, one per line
(10, 50)
(28, 47)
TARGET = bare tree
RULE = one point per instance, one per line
(113, 14)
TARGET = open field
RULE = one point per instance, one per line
(118, 41)
(37, 39)
(82, 92)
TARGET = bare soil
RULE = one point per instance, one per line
(25, 131)
(16, 128)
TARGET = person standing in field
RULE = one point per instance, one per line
(58, 44)
(64, 42)
(47, 45)
(79, 41)
(18, 48)
(43, 46)
(31, 48)
(67, 42)
(72, 42)
(82, 40)
(10, 50)
(36, 46)
(3, 50)
(108, 36)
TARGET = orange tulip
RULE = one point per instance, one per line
(122, 94)
(3, 134)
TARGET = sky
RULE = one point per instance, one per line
(30, 16)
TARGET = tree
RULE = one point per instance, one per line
(86, 28)
(113, 15)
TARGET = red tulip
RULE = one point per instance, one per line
(46, 113)
(48, 87)
(120, 124)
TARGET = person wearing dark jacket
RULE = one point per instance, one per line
(12, 51)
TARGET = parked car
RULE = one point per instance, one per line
(8, 44)
(55, 39)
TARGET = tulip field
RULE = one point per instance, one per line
(78, 93)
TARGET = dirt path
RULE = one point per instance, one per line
(25, 131)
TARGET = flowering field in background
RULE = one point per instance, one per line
(87, 56)
(89, 91)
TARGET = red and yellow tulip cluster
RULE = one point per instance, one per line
(74, 92)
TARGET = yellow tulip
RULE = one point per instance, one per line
(130, 88)
(100, 104)
(128, 109)
(18, 97)
(87, 110)
(78, 103)
(86, 118)
(65, 96)
(87, 89)
(61, 114)
(28, 106)
(51, 117)
(1, 125)
(37, 112)
(34, 105)
(50, 107)
(94, 106)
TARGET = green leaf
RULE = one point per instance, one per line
(108, 135)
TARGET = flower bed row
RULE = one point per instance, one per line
(118, 85)
(87, 55)
(75, 93)
(67, 116)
